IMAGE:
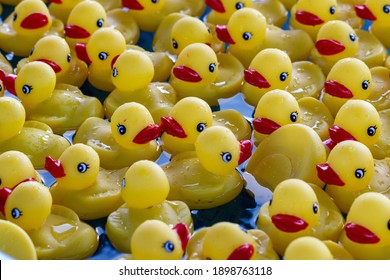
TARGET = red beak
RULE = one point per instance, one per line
(132, 4)
(244, 252)
(338, 90)
(9, 83)
(360, 234)
(54, 167)
(329, 47)
(254, 78)
(339, 134)
(52, 64)
(288, 223)
(328, 175)
(55, 1)
(113, 61)
(34, 21)
(149, 133)
(76, 32)
(364, 12)
(245, 150)
(184, 234)
(216, 5)
(223, 34)
(307, 18)
(4, 194)
(264, 125)
(81, 52)
(186, 74)
(172, 127)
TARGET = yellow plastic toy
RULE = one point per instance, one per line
(131, 136)
(349, 78)
(168, 244)
(200, 72)
(29, 21)
(132, 77)
(298, 209)
(366, 236)
(270, 69)
(62, 8)
(81, 185)
(228, 241)
(145, 190)
(292, 151)
(207, 177)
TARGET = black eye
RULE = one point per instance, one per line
(315, 208)
(32, 51)
(27, 89)
(200, 127)
(359, 173)
(239, 5)
(365, 84)
(1, 88)
(386, 9)
(283, 76)
(121, 129)
(388, 224)
(100, 22)
(68, 57)
(371, 130)
(294, 116)
(247, 35)
(16, 213)
(82, 167)
(212, 67)
(114, 72)
(352, 36)
(154, 1)
(103, 55)
(0, 182)
(174, 44)
(168, 246)
(332, 10)
(226, 157)
(270, 202)
(15, 16)
(123, 182)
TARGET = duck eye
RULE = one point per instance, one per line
(388, 224)
(100, 22)
(0, 181)
(332, 10)
(154, 1)
(283, 76)
(239, 5)
(247, 35)
(315, 208)
(68, 57)
(123, 182)
(352, 36)
(121, 129)
(371, 130)
(226, 156)
(365, 84)
(114, 72)
(294, 116)
(212, 67)
(15, 16)
(200, 127)
(386, 9)
(103, 55)
(32, 51)
(27, 89)
(359, 173)
(82, 167)
(270, 202)
(16, 213)
(168, 246)
(174, 44)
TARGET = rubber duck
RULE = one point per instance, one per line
(275, 108)
(340, 87)
(200, 72)
(100, 52)
(270, 69)
(15, 242)
(130, 136)
(380, 149)
(81, 185)
(149, 14)
(145, 189)
(356, 120)
(299, 209)
(213, 243)
(29, 21)
(365, 234)
(276, 159)
(35, 139)
(62, 8)
(310, 15)
(210, 178)
(132, 77)
(146, 245)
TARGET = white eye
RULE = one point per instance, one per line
(359, 173)
(247, 35)
(82, 167)
(16, 213)
(371, 130)
(226, 156)
(114, 72)
(294, 116)
(27, 89)
(100, 22)
(123, 182)
(121, 129)
(200, 127)
(103, 55)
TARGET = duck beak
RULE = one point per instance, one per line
(186, 74)
(113, 61)
(9, 83)
(56, 68)
(4, 194)
(81, 52)
(54, 167)
(246, 147)
(75, 32)
(149, 133)
(329, 47)
(364, 12)
(223, 34)
(338, 90)
(216, 5)
(244, 252)
(172, 127)
(34, 21)
(339, 134)
(264, 125)
(328, 175)
(132, 5)
(307, 18)
(184, 234)
(288, 223)
(55, 1)
(360, 234)
(254, 78)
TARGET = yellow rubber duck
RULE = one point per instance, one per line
(365, 235)
(270, 69)
(200, 72)
(29, 21)
(81, 185)
(145, 190)
(275, 108)
(228, 241)
(277, 159)
(35, 139)
(168, 244)
(132, 77)
(350, 78)
(62, 8)
(207, 177)
(130, 136)
(298, 209)
(100, 52)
